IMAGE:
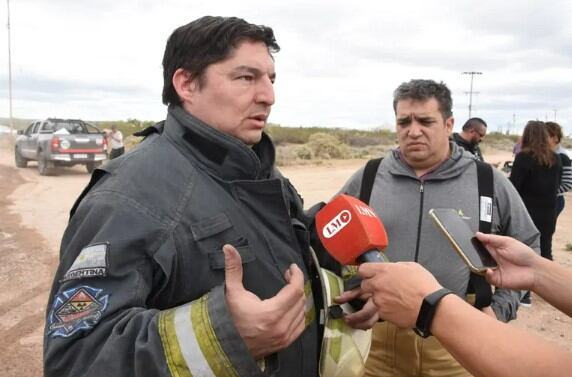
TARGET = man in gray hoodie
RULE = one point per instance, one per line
(430, 171)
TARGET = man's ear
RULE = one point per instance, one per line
(449, 124)
(184, 85)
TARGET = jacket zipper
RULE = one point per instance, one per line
(421, 192)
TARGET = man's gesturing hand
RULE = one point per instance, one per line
(266, 326)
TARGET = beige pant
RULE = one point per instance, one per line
(398, 352)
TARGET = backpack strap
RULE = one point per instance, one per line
(368, 178)
(486, 193)
(477, 283)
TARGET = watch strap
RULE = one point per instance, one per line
(427, 311)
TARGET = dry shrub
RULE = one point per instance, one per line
(285, 155)
(363, 141)
(326, 146)
(304, 152)
(131, 142)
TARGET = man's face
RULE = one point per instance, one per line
(237, 93)
(478, 134)
(423, 133)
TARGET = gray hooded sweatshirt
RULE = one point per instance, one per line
(402, 201)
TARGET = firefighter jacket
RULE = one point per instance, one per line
(140, 286)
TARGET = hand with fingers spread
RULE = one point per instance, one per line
(516, 262)
(397, 289)
(266, 326)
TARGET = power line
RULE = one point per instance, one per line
(472, 73)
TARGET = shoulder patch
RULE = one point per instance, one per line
(90, 263)
(76, 309)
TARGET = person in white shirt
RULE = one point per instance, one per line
(115, 138)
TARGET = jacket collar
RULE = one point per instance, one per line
(457, 138)
(222, 155)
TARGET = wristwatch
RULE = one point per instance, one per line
(427, 311)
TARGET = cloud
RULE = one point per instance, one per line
(338, 66)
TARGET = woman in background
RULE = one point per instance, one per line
(554, 138)
(536, 176)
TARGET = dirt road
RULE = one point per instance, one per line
(34, 214)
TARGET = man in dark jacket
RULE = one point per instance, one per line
(188, 256)
(473, 132)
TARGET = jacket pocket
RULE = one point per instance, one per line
(216, 256)
(210, 227)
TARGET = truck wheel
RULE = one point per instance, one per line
(43, 166)
(91, 166)
(21, 162)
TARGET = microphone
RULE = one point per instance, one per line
(351, 232)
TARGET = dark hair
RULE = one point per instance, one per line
(554, 130)
(206, 41)
(473, 124)
(535, 141)
(423, 90)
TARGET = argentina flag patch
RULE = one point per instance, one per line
(90, 263)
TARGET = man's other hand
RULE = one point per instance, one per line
(364, 318)
(266, 326)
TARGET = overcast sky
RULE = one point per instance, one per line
(339, 64)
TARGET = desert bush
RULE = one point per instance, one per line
(362, 141)
(327, 146)
(286, 155)
(497, 140)
(127, 127)
(289, 135)
(131, 142)
(304, 152)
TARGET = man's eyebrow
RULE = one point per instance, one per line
(424, 117)
(255, 71)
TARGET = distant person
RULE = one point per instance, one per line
(554, 138)
(473, 132)
(536, 176)
(483, 346)
(115, 138)
(517, 146)
(427, 171)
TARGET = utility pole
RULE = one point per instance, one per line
(514, 122)
(9, 70)
(555, 111)
(472, 73)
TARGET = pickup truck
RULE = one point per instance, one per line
(57, 142)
